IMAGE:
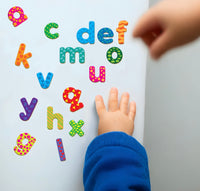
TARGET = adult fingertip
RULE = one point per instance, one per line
(161, 45)
(154, 55)
(135, 33)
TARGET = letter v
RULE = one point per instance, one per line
(28, 108)
(45, 83)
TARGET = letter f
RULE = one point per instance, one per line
(121, 30)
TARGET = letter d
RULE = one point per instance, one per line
(90, 32)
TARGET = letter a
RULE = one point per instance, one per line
(17, 21)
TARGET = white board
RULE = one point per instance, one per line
(41, 169)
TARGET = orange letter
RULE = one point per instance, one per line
(121, 30)
(21, 57)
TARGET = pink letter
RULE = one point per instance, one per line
(17, 21)
(102, 74)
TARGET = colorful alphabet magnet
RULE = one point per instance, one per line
(17, 21)
(56, 56)
(22, 149)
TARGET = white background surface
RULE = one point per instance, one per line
(172, 122)
(41, 169)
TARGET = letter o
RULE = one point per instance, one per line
(110, 55)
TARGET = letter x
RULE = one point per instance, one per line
(76, 128)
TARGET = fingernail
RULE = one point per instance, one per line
(98, 98)
(126, 94)
(113, 90)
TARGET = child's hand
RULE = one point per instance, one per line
(117, 118)
(169, 24)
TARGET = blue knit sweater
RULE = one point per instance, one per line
(116, 162)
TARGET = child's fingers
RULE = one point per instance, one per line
(150, 37)
(113, 100)
(132, 111)
(124, 103)
(100, 106)
(147, 23)
(160, 45)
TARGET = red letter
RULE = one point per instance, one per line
(75, 105)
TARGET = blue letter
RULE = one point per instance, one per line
(90, 32)
(45, 83)
(104, 34)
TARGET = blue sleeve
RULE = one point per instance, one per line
(116, 162)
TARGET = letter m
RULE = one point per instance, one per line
(72, 54)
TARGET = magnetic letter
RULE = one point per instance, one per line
(102, 74)
(51, 117)
(48, 33)
(21, 57)
(61, 149)
(45, 83)
(72, 54)
(28, 108)
(104, 34)
(75, 105)
(110, 55)
(121, 30)
(17, 21)
(90, 32)
(76, 128)
(22, 149)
